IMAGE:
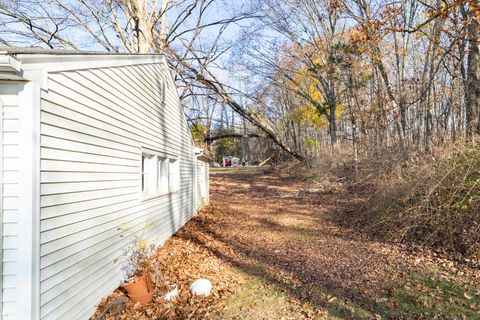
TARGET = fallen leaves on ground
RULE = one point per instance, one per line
(180, 262)
(303, 264)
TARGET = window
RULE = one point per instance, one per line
(160, 174)
(174, 175)
(149, 179)
(162, 180)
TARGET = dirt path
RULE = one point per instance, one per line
(293, 261)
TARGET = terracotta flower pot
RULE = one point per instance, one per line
(136, 286)
(143, 299)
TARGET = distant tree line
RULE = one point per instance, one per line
(368, 74)
(304, 75)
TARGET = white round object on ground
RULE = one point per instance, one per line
(172, 294)
(201, 287)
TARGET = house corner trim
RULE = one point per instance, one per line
(28, 276)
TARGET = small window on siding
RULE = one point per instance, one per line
(160, 174)
(174, 175)
(149, 174)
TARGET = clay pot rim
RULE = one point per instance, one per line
(134, 279)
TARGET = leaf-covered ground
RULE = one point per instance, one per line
(275, 252)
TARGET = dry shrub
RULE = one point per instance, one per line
(327, 166)
(408, 196)
(433, 200)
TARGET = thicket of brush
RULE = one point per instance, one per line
(432, 200)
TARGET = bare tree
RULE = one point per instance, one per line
(173, 28)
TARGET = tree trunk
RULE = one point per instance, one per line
(472, 91)
(332, 126)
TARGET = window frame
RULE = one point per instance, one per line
(145, 177)
(159, 158)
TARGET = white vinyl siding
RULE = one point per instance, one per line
(94, 126)
(9, 202)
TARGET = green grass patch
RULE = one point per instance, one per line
(417, 296)
(256, 299)
(421, 295)
(238, 170)
(434, 295)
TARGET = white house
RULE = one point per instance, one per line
(89, 141)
